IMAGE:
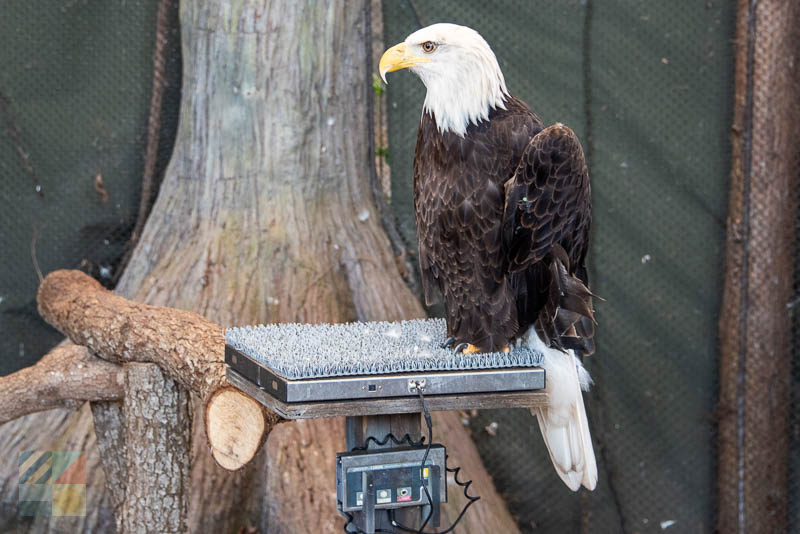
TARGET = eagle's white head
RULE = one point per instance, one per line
(459, 70)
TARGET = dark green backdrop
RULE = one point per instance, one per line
(75, 84)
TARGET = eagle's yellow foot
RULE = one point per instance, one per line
(506, 349)
(467, 348)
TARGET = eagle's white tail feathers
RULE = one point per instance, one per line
(584, 379)
(563, 422)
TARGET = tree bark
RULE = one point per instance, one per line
(267, 214)
(109, 428)
(755, 325)
(144, 443)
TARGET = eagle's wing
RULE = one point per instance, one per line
(545, 233)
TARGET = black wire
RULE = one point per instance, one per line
(429, 424)
(469, 497)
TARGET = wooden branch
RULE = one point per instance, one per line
(189, 348)
(183, 343)
(238, 434)
(66, 377)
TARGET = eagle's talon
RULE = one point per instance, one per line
(448, 343)
(466, 348)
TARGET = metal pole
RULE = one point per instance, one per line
(358, 429)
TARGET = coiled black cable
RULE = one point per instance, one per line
(402, 441)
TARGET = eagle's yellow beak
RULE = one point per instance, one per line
(397, 58)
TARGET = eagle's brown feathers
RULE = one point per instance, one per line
(503, 216)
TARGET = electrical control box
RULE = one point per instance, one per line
(393, 478)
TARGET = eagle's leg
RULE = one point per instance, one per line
(448, 343)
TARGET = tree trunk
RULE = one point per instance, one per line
(266, 214)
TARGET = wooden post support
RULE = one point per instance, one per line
(755, 333)
(145, 446)
(358, 429)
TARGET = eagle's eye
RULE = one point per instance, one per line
(428, 46)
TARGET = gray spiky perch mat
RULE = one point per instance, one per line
(375, 360)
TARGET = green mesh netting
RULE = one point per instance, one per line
(75, 87)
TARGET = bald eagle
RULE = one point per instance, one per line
(503, 211)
